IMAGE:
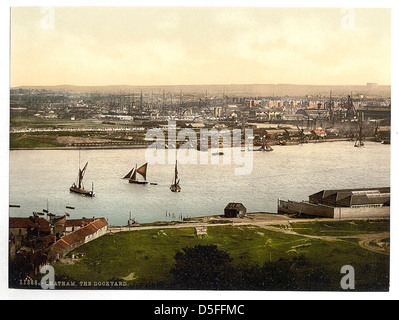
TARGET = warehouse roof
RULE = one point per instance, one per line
(350, 197)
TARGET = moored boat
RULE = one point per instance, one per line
(265, 147)
(79, 188)
(175, 187)
(359, 141)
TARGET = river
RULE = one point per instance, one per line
(41, 178)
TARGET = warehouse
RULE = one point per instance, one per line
(342, 204)
(375, 197)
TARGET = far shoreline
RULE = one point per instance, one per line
(146, 146)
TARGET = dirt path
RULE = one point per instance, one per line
(372, 241)
(378, 246)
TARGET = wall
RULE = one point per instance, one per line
(97, 234)
(331, 212)
(306, 208)
(363, 212)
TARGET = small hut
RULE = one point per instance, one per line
(235, 210)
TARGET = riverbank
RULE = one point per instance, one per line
(144, 146)
(260, 219)
(83, 148)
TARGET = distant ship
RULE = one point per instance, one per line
(265, 147)
(132, 175)
(175, 187)
(359, 142)
(79, 188)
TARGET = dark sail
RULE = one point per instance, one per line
(128, 175)
(132, 175)
(81, 174)
(175, 187)
(143, 171)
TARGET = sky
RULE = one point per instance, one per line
(143, 46)
(92, 46)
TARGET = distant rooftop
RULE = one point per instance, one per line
(352, 197)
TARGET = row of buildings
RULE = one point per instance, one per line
(128, 106)
(46, 240)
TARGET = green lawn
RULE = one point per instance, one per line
(340, 228)
(146, 256)
(32, 122)
(17, 140)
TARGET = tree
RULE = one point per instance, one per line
(203, 267)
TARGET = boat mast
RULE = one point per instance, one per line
(134, 173)
(176, 173)
(79, 174)
(361, 128)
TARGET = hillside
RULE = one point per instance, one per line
(264, 90)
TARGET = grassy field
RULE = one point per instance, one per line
(32, 122)
(54, 139)
(146, 256)
(23, 141)
(340, 228)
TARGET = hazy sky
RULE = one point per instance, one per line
(160, 46)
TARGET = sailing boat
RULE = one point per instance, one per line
(132, 175)
(359, 142)
(265, 147)
(175, 187)
(79, 188)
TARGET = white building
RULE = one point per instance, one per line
(89, 232)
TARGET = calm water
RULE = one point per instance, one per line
(38, 177)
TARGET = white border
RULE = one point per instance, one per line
(6, 293)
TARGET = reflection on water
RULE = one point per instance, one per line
(289, 172)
